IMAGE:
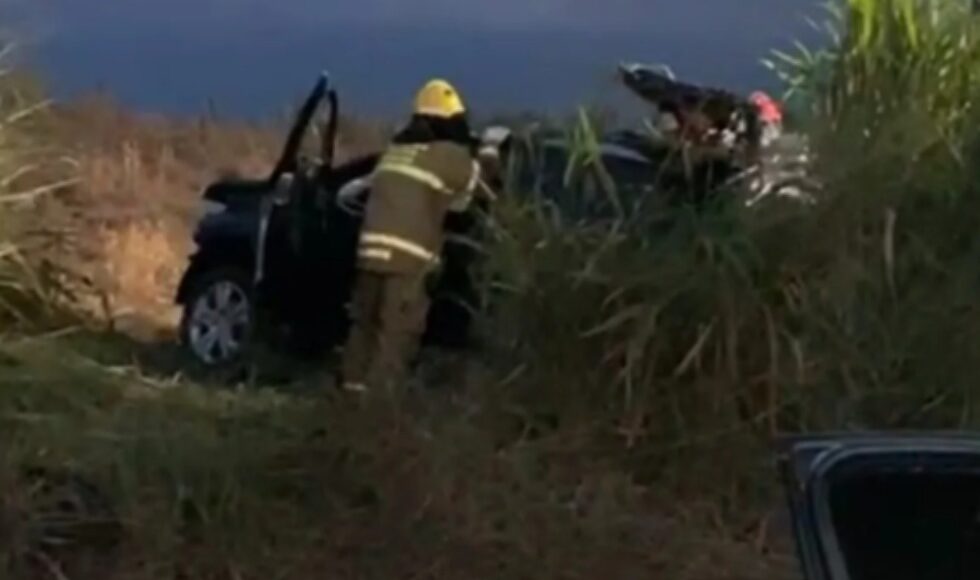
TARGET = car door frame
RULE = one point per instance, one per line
(805, 462)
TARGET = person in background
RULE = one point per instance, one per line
(770, 116)
(428, 170)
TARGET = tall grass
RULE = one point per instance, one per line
(688, 339)
(885, 59)
(215, 484)
(33, 292)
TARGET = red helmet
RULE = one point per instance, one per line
(768, 108)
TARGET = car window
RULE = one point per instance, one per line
(907, 520)
(542, 173)
(587, 196)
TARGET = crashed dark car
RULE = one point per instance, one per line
(275, 259)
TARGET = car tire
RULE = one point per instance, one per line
(217, 326)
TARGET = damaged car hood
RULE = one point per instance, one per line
(784, 164)
(657, 85)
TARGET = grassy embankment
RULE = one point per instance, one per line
(622, 427)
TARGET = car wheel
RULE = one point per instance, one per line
(218, 319)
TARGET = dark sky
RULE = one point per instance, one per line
(252, 57)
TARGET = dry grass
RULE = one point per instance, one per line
(33, 292)
(214, 484)
(467, 482)
(487, 479)
(142, 264)
(130, 216)
(129, 219)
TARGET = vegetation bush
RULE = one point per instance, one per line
(34, 293)
(704, 334)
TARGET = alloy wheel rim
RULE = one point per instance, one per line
(219, 323)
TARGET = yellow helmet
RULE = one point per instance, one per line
(438, 98)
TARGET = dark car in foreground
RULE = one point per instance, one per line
(885, 506)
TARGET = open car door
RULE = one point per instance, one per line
(288, 157)
(885, 507)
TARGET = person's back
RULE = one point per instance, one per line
(415, 186)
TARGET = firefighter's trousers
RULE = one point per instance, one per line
(388, 316)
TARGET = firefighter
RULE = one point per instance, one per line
(429, 169)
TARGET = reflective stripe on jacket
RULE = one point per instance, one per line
(414, 186)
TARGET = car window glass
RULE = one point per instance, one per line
(554, 162)
(585, 197)
(633, 178)
(910, 522)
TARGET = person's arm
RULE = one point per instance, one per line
(493, 142)
(471, 187)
